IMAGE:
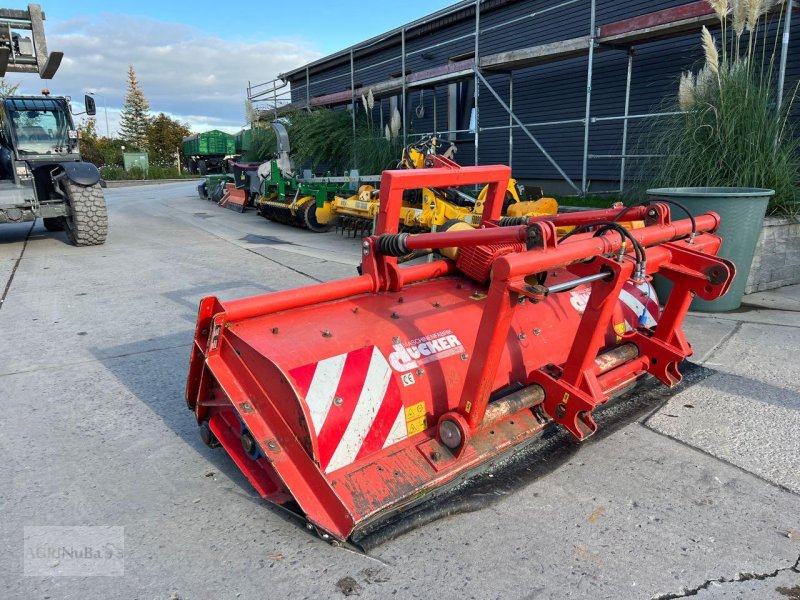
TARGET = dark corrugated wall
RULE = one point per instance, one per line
(548, 92)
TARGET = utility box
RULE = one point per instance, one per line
(136, 160)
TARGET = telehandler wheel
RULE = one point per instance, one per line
(87, 223)
(308, 214)
(54, 223)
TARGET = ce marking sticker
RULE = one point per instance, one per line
(408, 379)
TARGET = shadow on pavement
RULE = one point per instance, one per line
(157, 378)
(532, 461)
(188, 297)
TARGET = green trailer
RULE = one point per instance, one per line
(244, 141)
(207, 151)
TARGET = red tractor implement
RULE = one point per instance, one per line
(351, 401)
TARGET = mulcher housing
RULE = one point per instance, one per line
(354, 399)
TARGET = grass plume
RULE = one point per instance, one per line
(731, 133)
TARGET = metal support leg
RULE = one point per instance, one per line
(403, 77)
(588, 115)
(477, 86)
(787, 26)
(308, 90)
(435, 130)
(510, 120)
(527, 132)
(625, 121)
(353, 106)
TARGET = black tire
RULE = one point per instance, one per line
(54, 223)
(202, 167)
(308, 214)
(192, 166)
(87, 223)
(448, 224)
(508, 200)
(202, 190)
(217, 194)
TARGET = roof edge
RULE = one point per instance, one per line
(444, 12)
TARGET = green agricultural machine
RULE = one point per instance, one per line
(292, 199)
(207, 152)
(213, 186)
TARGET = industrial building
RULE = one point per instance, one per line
(561, 91)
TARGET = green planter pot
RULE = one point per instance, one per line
(742, 213)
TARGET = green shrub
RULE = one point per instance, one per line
(323, 139)
(731, 133)
(116, 173)
(112, 172)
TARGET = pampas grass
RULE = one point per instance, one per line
(686, 91)
(731, 134)
(741, 11)
(721, 7)
(710, 50)
(396, 123)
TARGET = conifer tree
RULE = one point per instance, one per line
(135, 118)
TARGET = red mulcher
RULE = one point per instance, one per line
(352, 400)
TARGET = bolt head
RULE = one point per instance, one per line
(338, 401)
(248, 443)
(537, 331)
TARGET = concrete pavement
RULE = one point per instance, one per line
(698, 495)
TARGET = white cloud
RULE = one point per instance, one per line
(185, 72)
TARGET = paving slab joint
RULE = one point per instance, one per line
(738, 578)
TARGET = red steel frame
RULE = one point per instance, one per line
(571, 390)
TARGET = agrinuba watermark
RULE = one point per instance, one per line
(52, 551)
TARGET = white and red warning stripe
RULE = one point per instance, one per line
(354, 403)
(638, 300)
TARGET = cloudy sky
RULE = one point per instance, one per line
(194, 59)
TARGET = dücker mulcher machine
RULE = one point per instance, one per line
(352, 400)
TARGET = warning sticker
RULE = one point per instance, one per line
(416, 419)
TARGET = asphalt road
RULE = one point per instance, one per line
(693, 494)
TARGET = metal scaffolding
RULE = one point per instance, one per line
(276, 96)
